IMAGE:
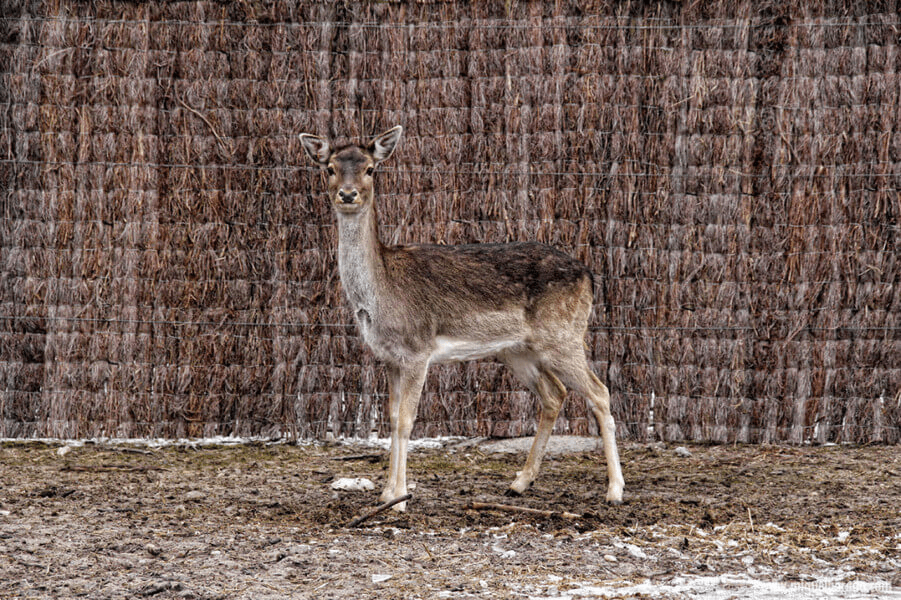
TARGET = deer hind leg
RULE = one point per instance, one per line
(582, 380)
(404, 389)
(551, 394)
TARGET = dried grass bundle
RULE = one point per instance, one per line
(729, 172)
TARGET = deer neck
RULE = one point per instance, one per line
(360, 261)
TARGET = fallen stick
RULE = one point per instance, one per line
(381, 508)
(111, 467)
(368, 457)
(521, 510)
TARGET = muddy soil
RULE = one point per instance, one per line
(262, 521)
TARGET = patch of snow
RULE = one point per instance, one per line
(557, 445)
(503, 553)
(416, 444)
(683, 452)
(219, 440)
(633, 550)
(353, 484)
(731, 586)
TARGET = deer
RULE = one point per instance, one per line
(525, 304)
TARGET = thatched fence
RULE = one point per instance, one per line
(729, 170)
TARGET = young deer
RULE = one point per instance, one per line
(526, 304)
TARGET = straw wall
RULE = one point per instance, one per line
(730, 171)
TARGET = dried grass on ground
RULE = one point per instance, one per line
(261, 521)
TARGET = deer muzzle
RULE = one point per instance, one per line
(347, 196)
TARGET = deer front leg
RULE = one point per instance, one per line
(404, 387)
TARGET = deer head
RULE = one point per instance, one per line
(350, 168)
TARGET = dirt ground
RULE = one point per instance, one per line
(260, 520)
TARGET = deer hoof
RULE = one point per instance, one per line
(615, 497)
(518, 488)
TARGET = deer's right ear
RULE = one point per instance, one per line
(317, 148)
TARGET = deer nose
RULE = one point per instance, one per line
(347, 196)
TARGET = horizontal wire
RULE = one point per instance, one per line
(465, 22)
(670, 284)
(295, 257)
(661, 401)
(582, 49)
(778, 313)
(809, 171)
(690, 79)
(673, 227)
(816, 109)
(608, 328)
(199, 370)
(474, 422)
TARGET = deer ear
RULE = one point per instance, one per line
(317, 148)
(382, 146)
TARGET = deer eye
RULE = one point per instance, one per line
(370, 171)
(331, 171)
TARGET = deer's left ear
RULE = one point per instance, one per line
(382, 146)
(317, 148)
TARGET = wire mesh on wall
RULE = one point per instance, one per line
(730, 173)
